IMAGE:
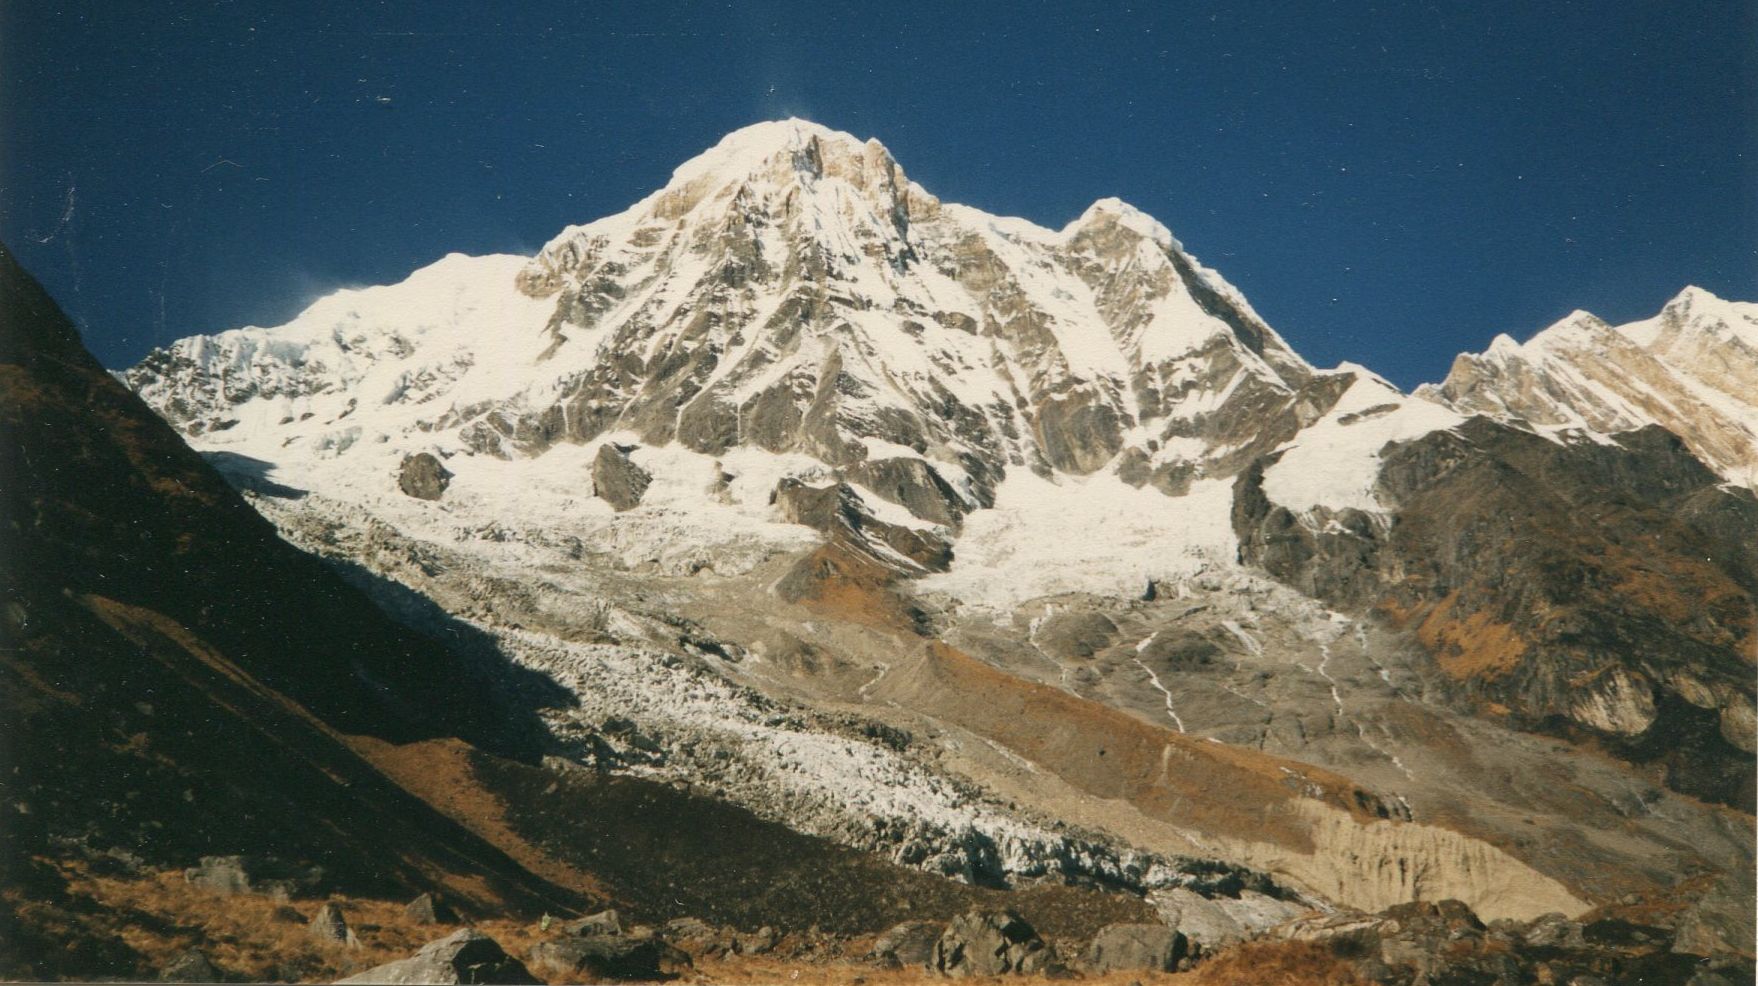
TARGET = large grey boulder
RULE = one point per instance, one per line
(1718, 923)
(466, 956)
(616, 478)
(329, 927)
(1136, 946)
(422, 476)
(221, 874)
(989, 943)
(908, 944)
(603, 958)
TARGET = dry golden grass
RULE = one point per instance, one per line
(160, 916)
(1273, 964)
(438, 772)
(1473, 647)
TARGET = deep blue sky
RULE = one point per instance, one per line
(1388, 183)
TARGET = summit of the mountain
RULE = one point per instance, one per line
(789, 290)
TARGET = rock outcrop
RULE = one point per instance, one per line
(616, 479)
(1444, 942)
(907, 945)
(602, 923)
(989, 943)
(422, 477)
(330, 927)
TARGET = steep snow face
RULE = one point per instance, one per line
(1692, 369)
(1335, 463)
(789, 290)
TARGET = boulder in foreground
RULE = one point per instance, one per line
(990, 943)
(603, 958)
(1136, 946)
(466, 956)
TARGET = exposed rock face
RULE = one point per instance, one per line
(465, 956)
(616, 479)
(839, 512)
(1578, 586)
(913, 484)
(1152, 947)
(422, 477)
(989, 943)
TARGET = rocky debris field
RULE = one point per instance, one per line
(192, 927)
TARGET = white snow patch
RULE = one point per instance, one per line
(1335, 462)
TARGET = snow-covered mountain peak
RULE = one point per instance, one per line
(1115, 210)
(1692, 369)
(791, 303)
(793, 155)
(1698, 312)
(1574, 329)
(1503, 346)
(801, 145)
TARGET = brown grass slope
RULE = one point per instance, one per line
(175, 681)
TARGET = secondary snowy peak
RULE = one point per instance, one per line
(1692, 369)
(791, 291)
